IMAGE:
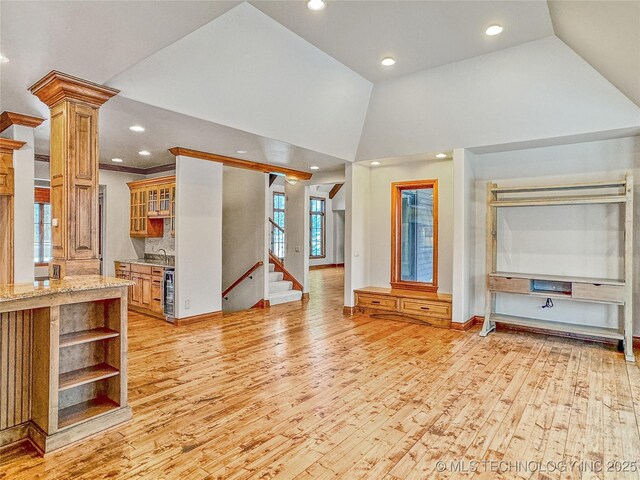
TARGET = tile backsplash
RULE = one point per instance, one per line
(152, 245)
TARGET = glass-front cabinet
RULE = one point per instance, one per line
(152, 202)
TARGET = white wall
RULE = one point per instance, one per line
(357, 230)
(463, 234)
(23, 164)
(198, 237)
(380, 200)
(338, 235)
(118, 245)
(244, 210)
(574, 240)
(297, 232)
(540, 89)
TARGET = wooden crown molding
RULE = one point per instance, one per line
(120, 168)
(238, 163)
(8, 146)
(12, 118)
(57, 86)
(152, 181)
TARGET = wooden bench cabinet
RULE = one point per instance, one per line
(405, 305)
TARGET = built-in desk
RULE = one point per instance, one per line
(63, 372)
(405, 305)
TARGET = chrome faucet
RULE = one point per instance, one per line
(166, 257)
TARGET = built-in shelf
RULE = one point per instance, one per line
(559, 278)
(86, 336)
(549, 188)
(75, 378)
(562, 200)
(578, 329)
(84, 411)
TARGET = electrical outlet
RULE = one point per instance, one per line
(356, 253)
(187, 304)
(297, 248)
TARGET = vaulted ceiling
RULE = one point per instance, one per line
(297, 87)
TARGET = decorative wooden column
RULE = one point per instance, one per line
(74, 105)
(6, 208)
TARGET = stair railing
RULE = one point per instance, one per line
(245, 275)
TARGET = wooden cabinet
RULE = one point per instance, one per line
(146, 295)
(407, 305)
(151, 202)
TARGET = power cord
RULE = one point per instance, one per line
(548, 303)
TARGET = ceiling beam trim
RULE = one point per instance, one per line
(238, 163)
(336, 188)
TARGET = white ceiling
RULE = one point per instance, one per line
(69, 36)
(418, 34)
(165, 129)
(605, 34)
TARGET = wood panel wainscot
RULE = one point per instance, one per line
(63, 372)
(406, 305)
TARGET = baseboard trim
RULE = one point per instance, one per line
(197, 318)
(328, 265)
(262, 304)
(12, 436)
(468, 325)
(348, 310)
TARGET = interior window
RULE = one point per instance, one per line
(42, 226)
(317, 227)
(277, 234)
(414, 262)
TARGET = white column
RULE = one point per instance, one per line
(296, 260)
(198, 237)
(23, 164)
(463, 219)
(357, 230)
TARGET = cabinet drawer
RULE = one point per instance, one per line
(144, 269)
(123, 267)
(509, 285)
(377, 302)
(598, 292)
(423, 307)
(157, 271)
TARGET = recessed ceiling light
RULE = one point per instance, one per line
(117, 160)
(314, 167)
(144, 153)
(441, 155)
(3, 59)
(493, 30)
(241, 151)
(388, 61)
(136, 128)
(316, 5)
(375, 163)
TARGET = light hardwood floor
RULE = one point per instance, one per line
(299, 391)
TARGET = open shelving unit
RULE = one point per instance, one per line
(597, 290)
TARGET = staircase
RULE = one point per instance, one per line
(280, 290)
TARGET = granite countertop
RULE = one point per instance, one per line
(78, 283)
(146, 261)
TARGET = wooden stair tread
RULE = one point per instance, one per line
(86, 336)
(84, 411)
(82, 376)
